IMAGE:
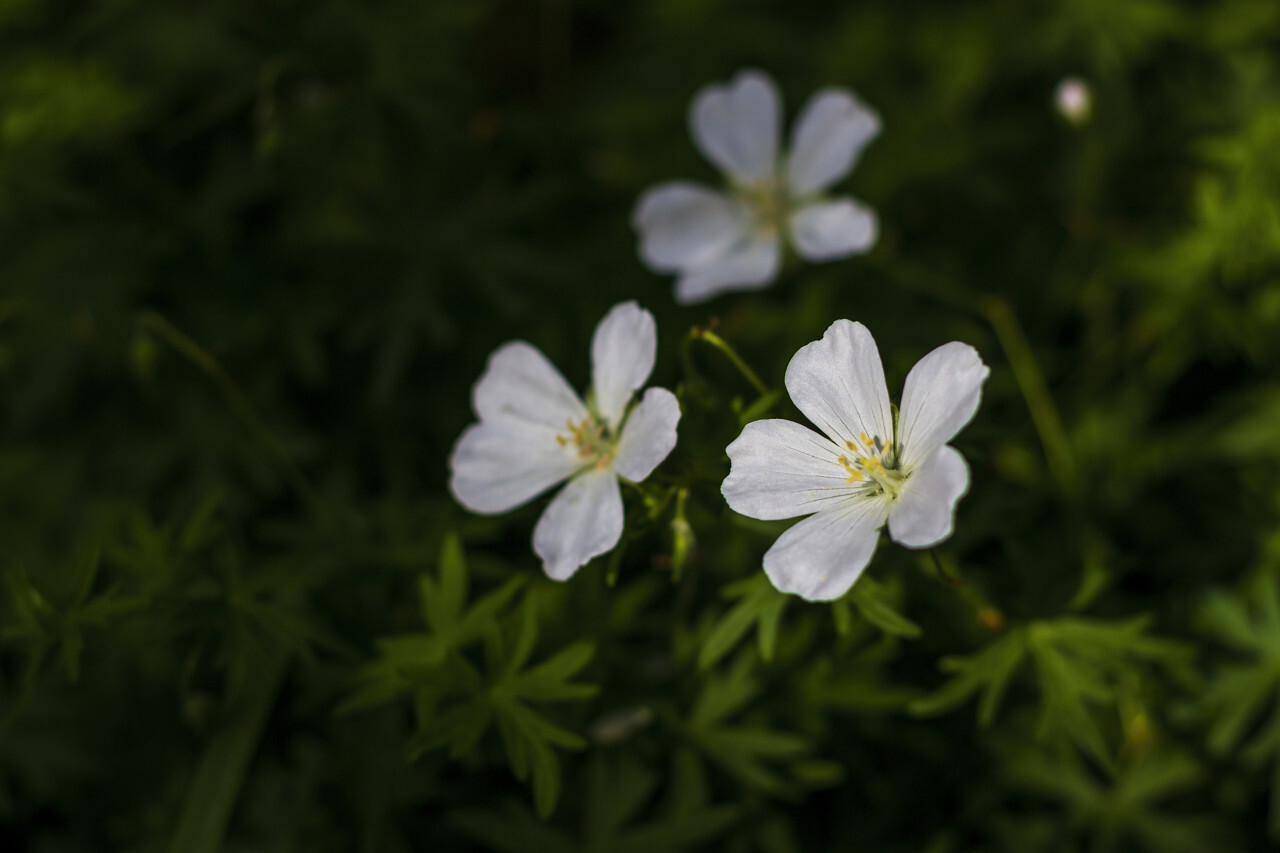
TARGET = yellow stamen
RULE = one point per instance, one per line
(873, 461)
(854, 474)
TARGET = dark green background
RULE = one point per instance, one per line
(253, 256)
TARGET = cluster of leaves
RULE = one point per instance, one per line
(454, 703)
(256, 255)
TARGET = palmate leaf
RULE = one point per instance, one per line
(1240, 693)
(619, 791)
(759, 604)
(878, 604)
(452, 625)
(1077, 662)
(751, 752)
(457, 704)
(1119, 809)
(57, 620)
(987, 672)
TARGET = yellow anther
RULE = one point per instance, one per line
(854, 474)
(590, 440)
(866, 441)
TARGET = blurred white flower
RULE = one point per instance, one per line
(535, 432)
(722, 241)
(1073, 99)
(869, 466)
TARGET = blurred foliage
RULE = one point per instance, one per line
(255, 256)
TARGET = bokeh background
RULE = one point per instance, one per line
(253, 256)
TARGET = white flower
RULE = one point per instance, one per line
(720, 241)
(870, 465)
(535, 432)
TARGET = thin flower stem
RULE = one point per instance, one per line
(209, 365)
(681, 535)
(927, 282)
(1026, 370)
(1030, 379)
(219, 777)
(723, 345)
(947, 571)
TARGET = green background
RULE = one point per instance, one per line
(253, 256)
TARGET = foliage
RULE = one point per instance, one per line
(255, 257)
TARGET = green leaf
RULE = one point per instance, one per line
(453, 625)
(876, 605)
(213, 791)
(200, 528)
(758, 604)
(548, 681)
(443, 600)
(987, 672)
(748, 751)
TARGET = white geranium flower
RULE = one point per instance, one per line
(535, 432)
(870, 465)
(723, 241)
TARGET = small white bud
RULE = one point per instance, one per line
(1073, 100)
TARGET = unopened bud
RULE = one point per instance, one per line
(1073, 99)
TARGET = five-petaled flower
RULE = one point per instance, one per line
(719, 241)
(870, 465)
(535, 432)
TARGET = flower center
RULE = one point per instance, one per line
(769, 204)
(592, 439)
(874, 462)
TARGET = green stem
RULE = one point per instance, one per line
(209, 365)
(1030, 379)
(1026, 370)
(214, 789)
(927, 282)
(721, 344)
(681, 535)
(948, 572)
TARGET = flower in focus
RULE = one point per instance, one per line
(535, 432)
(870, 465)
(723, 241)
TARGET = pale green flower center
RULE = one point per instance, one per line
(875, 463)
(592, 439)
(769, 203)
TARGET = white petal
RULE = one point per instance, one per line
(826, 230)
(838, 382)
(497, 465)
(924, 514)
(941, 395)
(830, 133)
(583, 521)
(520, 384)
(821, 557)
(648, 435)
(746, 266)
(781, 469)
(622, 353)
(736, 126)
(683, 225)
